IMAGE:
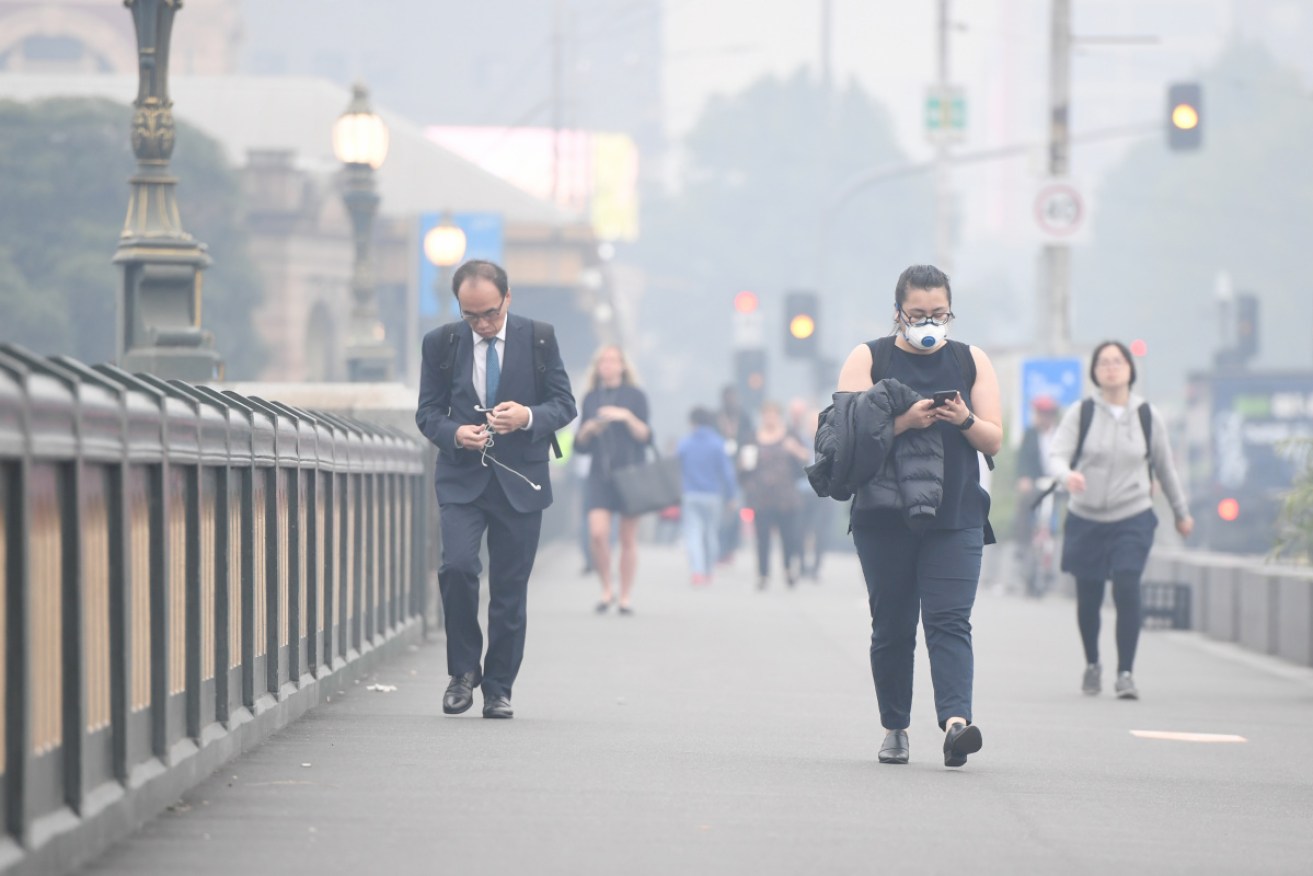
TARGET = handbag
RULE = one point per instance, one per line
(652, 485)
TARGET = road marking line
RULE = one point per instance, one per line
(1173, 736)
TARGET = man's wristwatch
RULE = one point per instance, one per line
(968, 422)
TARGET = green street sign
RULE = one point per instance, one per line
(946, 113)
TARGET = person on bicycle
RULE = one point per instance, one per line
(1033, 477)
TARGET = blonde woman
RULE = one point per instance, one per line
(614, 431)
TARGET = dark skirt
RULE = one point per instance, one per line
(1095, 551)
(600, 493)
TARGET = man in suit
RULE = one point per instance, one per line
(479, 403)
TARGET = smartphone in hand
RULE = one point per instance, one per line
(943, 397)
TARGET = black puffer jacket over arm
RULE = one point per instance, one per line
(856, 453)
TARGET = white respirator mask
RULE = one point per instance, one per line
(925, 335)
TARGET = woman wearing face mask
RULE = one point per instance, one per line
(930, 571)
(1110, 518)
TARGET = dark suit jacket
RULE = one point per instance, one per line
(445, 406)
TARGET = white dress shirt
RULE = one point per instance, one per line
(481, 366)
(481, 362)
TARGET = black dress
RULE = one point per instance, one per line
(614, 447)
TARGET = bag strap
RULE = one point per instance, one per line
(544, 340)
(1146, 426)
(1086, 418)
(447, 343)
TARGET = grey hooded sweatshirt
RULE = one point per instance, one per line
(1113, 462)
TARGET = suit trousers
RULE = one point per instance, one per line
(512, 548)
(933, 574)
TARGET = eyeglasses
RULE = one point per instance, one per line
(486, 316)
(916, 317)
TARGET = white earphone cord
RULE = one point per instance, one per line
(498, 462)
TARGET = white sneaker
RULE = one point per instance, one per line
(1126, 687)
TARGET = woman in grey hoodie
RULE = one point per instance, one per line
(1110, 519)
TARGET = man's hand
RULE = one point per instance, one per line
(1075, 483)
(472, 437)
(1185, 526)
(919, 416)
(508, 417)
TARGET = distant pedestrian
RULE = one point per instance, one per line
(924, 408)
(613, 430)
(710, 490)
(740, 434)
(1109, 472)
(815, 519)
(771, 490)
(492, 415)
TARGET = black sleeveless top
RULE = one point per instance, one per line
(965, 504)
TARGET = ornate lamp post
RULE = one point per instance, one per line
(444, 247)
(360, 142)
(160, 314)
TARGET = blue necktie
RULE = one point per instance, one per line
(494, 374)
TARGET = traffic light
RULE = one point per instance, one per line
(750, 377)
(800, 325)
(1185, 116)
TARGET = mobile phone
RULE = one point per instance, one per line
(943, 397)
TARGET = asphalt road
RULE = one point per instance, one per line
(727, 731)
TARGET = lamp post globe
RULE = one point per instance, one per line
(360, 142)
(444, 247)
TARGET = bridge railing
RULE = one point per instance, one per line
(183, 569)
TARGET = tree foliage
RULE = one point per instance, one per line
(64, 166)
(761, 170)
(1168, 222)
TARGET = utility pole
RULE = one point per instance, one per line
(1055, 295)
(558, 98)
(943, 192)
(827, 46)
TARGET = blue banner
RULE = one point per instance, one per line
(484, 239)
(1059, 378)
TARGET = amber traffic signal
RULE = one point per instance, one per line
(1185, 116)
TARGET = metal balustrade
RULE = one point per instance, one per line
(184, 569)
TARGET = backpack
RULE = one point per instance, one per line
(544, 339)
(882, 353)
(1086, 418)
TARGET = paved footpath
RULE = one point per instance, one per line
(727, 731)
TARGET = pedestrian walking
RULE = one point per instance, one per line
(493, 392)
(740, 434)
(613, 430)
(710, 492)
(771, 490)
(927, 407)
(814, 518)
(1035, 520)
(1108, 451)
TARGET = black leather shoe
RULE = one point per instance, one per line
(497, 707)
(894, 749)
(959, 741)
(460, 692)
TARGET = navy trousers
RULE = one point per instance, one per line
(933, 574)
(512, 548)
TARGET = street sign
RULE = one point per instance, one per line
(749, 330)
(1060, 211)
(484, 239)
(1059, 378)
(945, 114)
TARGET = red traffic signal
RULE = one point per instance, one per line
(746, 302)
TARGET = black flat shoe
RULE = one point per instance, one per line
(604, 606)
(497, 707)
(626, 610)
(959, 741)
(894, 749)
(460, 692)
